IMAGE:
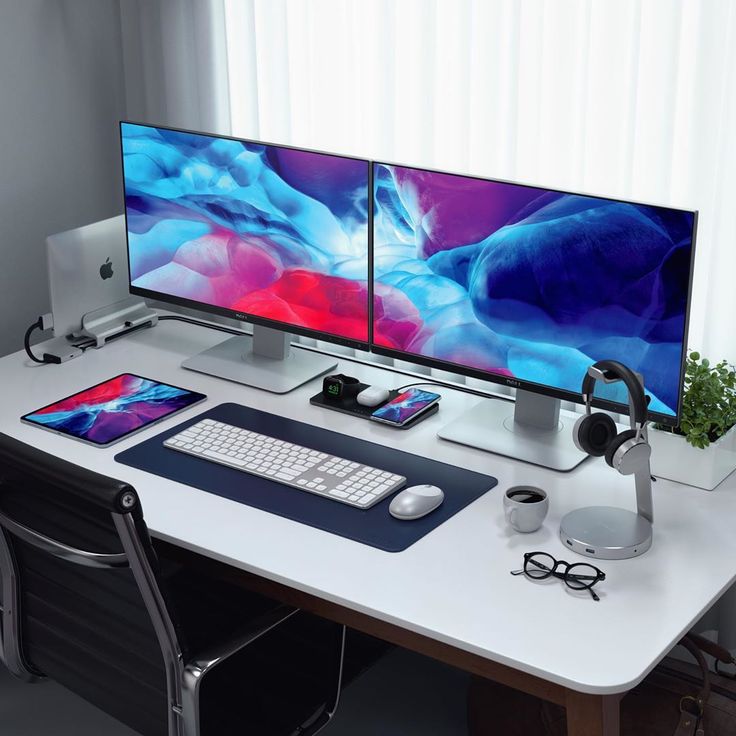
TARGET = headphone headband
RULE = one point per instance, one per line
(620, 371)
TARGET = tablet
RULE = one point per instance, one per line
(109, 411)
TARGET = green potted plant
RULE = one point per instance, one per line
(701, 451)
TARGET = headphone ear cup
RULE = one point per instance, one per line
(629, 434)
(593, 433)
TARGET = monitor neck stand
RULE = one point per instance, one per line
(264, 361)
(533, 429)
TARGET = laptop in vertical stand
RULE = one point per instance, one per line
(87, 270)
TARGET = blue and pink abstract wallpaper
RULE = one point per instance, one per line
(114, 408)
(530, 283)
(270, 231)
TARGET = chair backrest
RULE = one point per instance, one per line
(80, 594)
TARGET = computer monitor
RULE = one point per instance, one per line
(526, 286)
(269, 234)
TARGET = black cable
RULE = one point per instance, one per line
(86, 343)
(202, 323)
(232, 331)
(421, 383)
(27, 342)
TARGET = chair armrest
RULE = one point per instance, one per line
(201, 662)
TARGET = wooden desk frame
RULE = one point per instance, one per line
(587, 714)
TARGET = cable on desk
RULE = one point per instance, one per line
(201, 323)
(86, 344)
(27, 342)
(456, 387)
(421, 383)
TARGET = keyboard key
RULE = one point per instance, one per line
(223, 458)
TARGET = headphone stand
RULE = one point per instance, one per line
(610, 533)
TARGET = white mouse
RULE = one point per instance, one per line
(416, 501)
(372, 396)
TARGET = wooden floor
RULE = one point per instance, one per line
(403, 695)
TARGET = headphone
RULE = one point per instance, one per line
(596, 433)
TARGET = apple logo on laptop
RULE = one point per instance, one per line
(106, 269)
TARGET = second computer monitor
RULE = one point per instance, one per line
(529, 286)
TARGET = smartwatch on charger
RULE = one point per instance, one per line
(340, 386)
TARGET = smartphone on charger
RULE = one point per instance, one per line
(405, 407)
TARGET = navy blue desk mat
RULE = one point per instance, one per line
(374, 527)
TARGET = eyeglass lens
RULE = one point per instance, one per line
(539, 566)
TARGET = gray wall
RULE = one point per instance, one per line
(61, 95)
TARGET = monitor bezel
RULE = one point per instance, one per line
(521, 384)
(247, 316)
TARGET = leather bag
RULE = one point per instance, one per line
(676, 699)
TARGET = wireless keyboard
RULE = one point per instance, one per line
(293, 465)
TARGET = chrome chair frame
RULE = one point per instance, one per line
(183, 679)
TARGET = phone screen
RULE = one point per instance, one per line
(405, 406)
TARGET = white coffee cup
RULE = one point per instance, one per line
(525, 507)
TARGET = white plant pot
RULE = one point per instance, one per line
(675, 459)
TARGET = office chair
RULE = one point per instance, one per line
(86, 602)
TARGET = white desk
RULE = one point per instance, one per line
(453, 587)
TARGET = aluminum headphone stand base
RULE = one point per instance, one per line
(606, 532)
(610, 533)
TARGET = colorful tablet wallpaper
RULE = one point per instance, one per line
(405, 406)
(273, 232)
(530, 283)
(114, 408)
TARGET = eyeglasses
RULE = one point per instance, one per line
(579, 576)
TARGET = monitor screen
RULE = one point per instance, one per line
(528, 286)
(270, 234)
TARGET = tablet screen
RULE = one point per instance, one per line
(111, 410)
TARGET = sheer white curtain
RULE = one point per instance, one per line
(176, 63)
(632, 98)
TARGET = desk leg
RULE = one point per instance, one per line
(592, 715)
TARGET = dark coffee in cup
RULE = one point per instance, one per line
(526, 495)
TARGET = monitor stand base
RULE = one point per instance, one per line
(532, 429)
(264, 361)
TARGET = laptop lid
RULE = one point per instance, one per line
(88, 269)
